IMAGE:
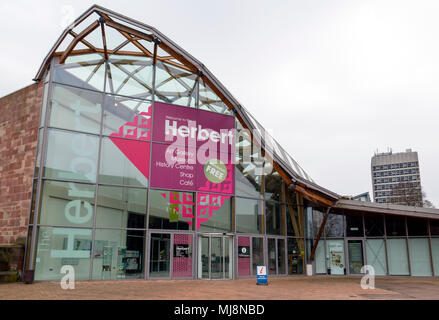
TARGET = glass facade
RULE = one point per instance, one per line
(96, 151)
(101, 206)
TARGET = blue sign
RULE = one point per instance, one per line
(261, 272)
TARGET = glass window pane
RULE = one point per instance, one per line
(319, 257)
(273, 186)
(417, 227)
(124, 162)
(275, 219)
(374, 225)
(420, 257)
(354, 226)
(125, 117)
(247, 183)
(71, 156)
(58, 247)
(376, 255)
(120, 207)
(434, 227)
(272, 261)
(296, 256)
(214, 213)
(84, 71)
(243, 259)
(76, 109)
(67, 204)
(281, 256)
(171, 210)
(175, 85)
(317, 219)
(130, 76)
(257, 253)
(209, 100)
(118, 254)
(397, 256)
(395, 226)
(435, 255)
(334, 226)
(249, 217)
(294, 220)
(335, 257)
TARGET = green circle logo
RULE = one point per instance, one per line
(215, 171)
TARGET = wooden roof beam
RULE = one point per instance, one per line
(78, 38)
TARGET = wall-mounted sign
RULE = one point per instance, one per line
(244, 251)
(181, 251)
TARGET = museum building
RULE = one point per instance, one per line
(128, 159)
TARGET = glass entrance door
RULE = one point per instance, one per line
(159, 266)
(355, 254)
(215, 257)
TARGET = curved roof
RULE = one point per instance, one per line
(137, 38)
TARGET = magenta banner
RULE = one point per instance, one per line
(192, 149)
(196, 151)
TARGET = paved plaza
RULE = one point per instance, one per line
(292, 288)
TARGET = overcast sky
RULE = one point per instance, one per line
(334, 80)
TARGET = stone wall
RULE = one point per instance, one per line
(19, 120)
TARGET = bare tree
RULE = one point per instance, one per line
(410, 194)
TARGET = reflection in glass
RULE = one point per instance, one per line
(118, 254)
(334, 226)
(67, 204)
(249, 217)
(71, 156)
(76, 109)
(119, 166)
(121, 207)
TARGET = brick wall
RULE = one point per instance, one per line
(19, 119)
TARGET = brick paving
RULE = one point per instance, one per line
(291, 288)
